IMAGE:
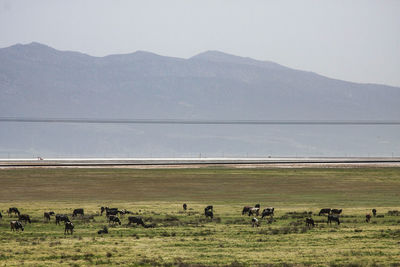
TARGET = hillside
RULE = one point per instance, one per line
(37, 80)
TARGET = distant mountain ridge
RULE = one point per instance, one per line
(37, 80)
(210, 84)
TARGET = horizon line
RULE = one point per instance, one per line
(196, 121)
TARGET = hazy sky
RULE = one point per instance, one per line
(350, 40)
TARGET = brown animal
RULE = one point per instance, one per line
(367, 218)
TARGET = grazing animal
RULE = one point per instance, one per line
(324, 211)
(103, 231)
(61, 218)
(257, 205)
(1, 216)
(112, 211)
(336, 211)
(102, 209)
(255, 211)
(374, 212)
(16, 225)
(77, 211)
(13, 210)
(333, 218)
(367, 218)
(51, 213)
(184, 206)
(24, 217)
(210, 207)
(254, 222)
(310, 222)
(114, 219)
(137, 220)
(267, 212)
(69, 227)
(209, 213)
(124, 211)
(246, 209)
(46, 216)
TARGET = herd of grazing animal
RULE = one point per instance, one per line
(333, 215)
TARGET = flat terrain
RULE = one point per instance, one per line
(186, 238)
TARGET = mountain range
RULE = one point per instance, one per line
(39, 81)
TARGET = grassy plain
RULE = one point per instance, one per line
(187, 238)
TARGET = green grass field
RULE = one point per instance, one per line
(188, 238)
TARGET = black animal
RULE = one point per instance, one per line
(24, 217)
(1, 216)
(324, 211)
(255, 222)
(16, 225)
(78, 212)
(209, 213)
(336, 211)
(103, 231)
(267, 212)
(102, 209)
(69, 227)
(51, 213)
(13, 210)
(310, 222)
(61, 218)
(46, 216)
(112, 211)
(333, 218)
(374, 212)
(114, 219)
(246, 209)
(124, 211)
(255, 211)
(257, 206)
(184, 206)
(137, 220)
(210, 208)
(367, 218)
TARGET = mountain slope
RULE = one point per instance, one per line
(37, 80)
